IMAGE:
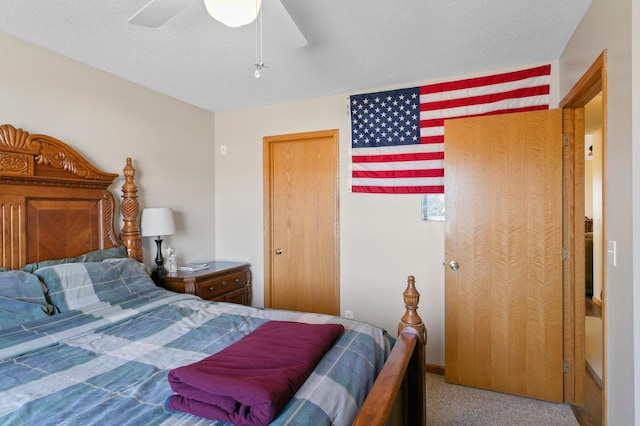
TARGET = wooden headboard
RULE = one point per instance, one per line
(55, 204)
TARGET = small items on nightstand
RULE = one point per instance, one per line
(172, 261)
(193, 267)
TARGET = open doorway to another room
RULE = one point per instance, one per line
(594, 242)
(586, 271)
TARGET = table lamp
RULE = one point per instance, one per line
(157, 222)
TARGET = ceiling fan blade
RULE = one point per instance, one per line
(280, 27)
(157, 12)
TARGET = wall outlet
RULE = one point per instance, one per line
(223, 150)
(348, 314)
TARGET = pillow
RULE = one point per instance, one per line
(78, 285)
(93, 256)
(22, 298)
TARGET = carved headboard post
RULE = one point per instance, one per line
(131, 236)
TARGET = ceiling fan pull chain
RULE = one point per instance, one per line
(259, 63)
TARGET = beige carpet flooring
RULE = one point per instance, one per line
(449, 404)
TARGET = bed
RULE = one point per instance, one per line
(87, 338)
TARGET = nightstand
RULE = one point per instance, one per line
(221, 281)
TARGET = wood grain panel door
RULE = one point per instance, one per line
(301, 222)
(503, 303)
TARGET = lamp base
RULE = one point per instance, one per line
(160, 270)
(157, 274)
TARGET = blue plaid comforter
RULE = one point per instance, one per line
(108, 365)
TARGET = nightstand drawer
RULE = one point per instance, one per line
(209, 289)
(241, 297)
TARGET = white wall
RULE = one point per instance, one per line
(107, 119)
(382, 236)
(608, 25)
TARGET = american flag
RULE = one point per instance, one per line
(397, 136)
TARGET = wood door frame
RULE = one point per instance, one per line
(590, 84)
(267, 142)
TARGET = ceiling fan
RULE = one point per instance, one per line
(280, 26)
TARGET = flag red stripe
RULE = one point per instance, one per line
(417, 156)
(432, 139)
(397, 173)
(486, 80)
(485, 99)
(437, 189)
(439, 122)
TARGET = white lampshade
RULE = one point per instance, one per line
(233, 13)
(157, 221)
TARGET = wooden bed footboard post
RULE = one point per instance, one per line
(398, 396)
(416, 404)
(131, 236)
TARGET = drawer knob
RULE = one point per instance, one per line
(237, 280)
(212, 288)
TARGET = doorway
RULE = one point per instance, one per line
(592, 85)
(301, 222)
(594, 244)
(573, 219)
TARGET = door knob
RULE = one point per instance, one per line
(278, 251)
(454, 265)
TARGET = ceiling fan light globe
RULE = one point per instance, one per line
(233, 13)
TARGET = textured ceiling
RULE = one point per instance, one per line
(353, 45)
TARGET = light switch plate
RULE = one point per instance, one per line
(612, 253)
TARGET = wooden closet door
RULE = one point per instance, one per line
(301, 222)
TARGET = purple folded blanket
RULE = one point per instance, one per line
(251, 380)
